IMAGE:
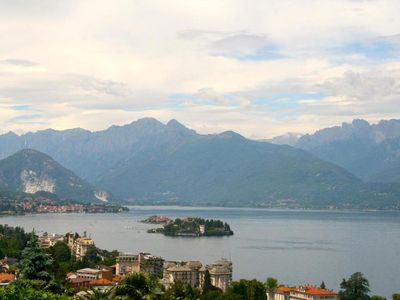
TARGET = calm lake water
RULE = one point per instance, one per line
(296, 247)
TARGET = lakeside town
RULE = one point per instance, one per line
(85, 271)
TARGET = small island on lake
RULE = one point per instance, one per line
(189, 227)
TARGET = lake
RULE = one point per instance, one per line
(295, 246)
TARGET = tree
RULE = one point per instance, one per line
(396, 296)
(376, 297)
(248, 289)
(61, 252)
(355, 288)
(35, 263)
(97, 294)
(323, 286)
(207, 285)
(271, 283)
(136, 286)
(91, 254)
(179, 291)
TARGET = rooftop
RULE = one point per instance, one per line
(88, 270)
(101, 282)
(6, 277)
(307, 289)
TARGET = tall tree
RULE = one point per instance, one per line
(35, 263)
(355, 288)
(377, 297)
(396, 296)
(271, 283)
(323, 286)
(207, 285)
(248, 289)
(138, 286)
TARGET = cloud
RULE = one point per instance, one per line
(373, 95)
(18, 62)
(261, 68)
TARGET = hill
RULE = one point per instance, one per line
(32, 172)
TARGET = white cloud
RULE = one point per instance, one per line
(94, 63)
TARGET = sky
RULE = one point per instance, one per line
(261, 68)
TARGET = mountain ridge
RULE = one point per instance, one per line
(367, 150)
(151, 162)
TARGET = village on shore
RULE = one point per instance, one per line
(190, 273)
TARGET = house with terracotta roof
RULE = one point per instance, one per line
(102, 284)
(6, 279)
(307, 292)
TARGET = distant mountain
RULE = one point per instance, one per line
(150, 162)
(90, 154)
(290, 138)
(370, 151)
(31, 172)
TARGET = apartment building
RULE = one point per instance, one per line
(79, 245)
(142, 262)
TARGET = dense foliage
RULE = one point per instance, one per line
(191, 226)
(12, 241)
(355, 288)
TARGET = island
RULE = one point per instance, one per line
(189, 227)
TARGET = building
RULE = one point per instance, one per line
(307, 292)
(6, 264)
(102, 284)
(126, 263)
(193, 273)
(183, 273)
(89, 273)
(220, 274)
(6, 279)
(93, 274)
(151, 264)
(49, 240)
(202, 229)
(142, 262)
(79, 245)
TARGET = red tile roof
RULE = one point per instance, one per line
(6, 277)
(101, 282)
(308, 289)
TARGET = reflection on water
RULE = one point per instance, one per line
(294, 246)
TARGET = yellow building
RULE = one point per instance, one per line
(79, 245)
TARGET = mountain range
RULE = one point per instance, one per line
(147, 161)
(370, 151)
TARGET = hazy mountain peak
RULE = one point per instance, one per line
(230, 134)
(147, 121)
(177, 126)
(9, 134)
(290, 138)
(360, 123)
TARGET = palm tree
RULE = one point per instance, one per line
(137, 286)
(97, 294)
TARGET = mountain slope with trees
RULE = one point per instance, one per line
(147, 161)
(30, 171)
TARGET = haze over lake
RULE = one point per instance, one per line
(294, 246)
